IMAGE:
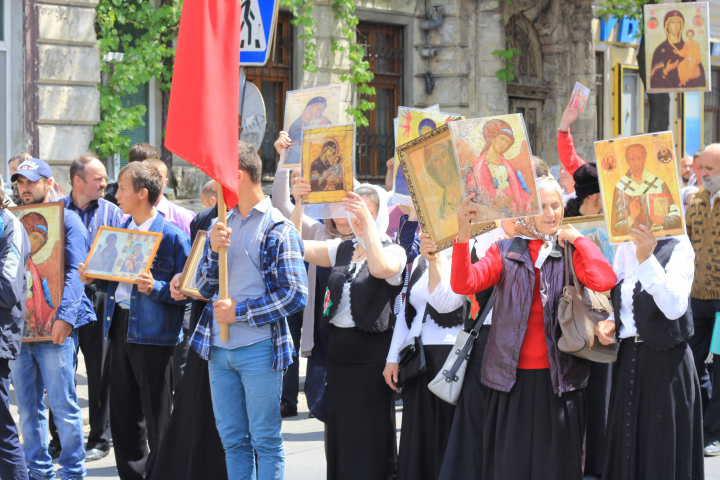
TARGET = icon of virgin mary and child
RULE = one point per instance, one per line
(677, 63)
(495, 182)
(313, 115)
(39, 308)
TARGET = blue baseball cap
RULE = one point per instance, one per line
(33, 169)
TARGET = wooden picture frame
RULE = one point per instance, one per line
(328, 162)
(113, 248)
(45, 225)
(594, 228)
(189, 273)
(434, 184)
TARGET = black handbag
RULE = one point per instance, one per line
(412, 357)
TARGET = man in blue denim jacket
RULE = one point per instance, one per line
(143, 324)
(50, 366)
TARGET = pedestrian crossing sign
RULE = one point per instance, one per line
(259, 19)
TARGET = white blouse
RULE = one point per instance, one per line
(443, 299)
(670, 287)
(343, 316)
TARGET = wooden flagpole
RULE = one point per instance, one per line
(222, 258)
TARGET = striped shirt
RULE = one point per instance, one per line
(99, 213)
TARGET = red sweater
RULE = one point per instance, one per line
(591, 267)
(566, 151)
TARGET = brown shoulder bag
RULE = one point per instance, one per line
(579, 312)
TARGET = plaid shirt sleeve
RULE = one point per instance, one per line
(288, 286)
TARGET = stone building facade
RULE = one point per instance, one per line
(441, 53)
(422, 52)
(61, 72)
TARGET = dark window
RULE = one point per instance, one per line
(142, 133)
(376, 143)
(273, 80)
(599, 92)
(712, 110)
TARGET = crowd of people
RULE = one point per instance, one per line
(348, 292)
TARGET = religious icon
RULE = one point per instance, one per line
(494, 162)
(328, 159)
(434, 182)
(678, 37)
(188, 278)
(594, 229)
(644, 189)
(579, 97)
(44, 224)
(136, 254)
(308, 108)
(411, 125)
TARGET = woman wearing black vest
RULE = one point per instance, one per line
(366, 277)
(655, 417)
(436, 314)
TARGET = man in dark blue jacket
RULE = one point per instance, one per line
(143, 324)
(50, 366)
(14, 254)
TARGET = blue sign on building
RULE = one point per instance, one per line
(259, 18)
(626, 33)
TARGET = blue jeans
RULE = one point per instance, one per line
(40, 367)
(246, 401)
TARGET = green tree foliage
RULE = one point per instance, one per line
(144, 35)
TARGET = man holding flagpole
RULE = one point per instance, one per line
(269, 283)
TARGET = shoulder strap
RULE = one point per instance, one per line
(425, 315)
(483, 315)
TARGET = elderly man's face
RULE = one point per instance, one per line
(635, 157)
(686, 168)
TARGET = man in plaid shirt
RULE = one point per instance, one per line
(267, 282)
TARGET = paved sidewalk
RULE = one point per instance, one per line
(304, 445)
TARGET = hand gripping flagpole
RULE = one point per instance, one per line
(222, 262)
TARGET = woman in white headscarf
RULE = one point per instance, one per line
(367, 275)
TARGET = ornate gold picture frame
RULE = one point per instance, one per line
(434, 184)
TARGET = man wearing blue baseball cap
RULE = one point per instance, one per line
(50, 366)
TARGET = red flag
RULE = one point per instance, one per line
(202, 125)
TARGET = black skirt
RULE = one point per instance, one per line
(426, 422)
(463, 456)
(597, 398)
(533, 434)
(655, 418)
(361, 416)
(191, 447)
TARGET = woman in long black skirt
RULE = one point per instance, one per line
(367, 275)
(191, 447)
(655, 416)
(535, 418)
(435, 313)
(463, 455)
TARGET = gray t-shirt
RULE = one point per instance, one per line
(244, 278)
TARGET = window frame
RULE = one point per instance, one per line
(368, 163)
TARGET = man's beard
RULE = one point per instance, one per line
(34, 199)
(711, 183)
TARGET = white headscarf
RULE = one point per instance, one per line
(684, 192)
(383, 217)
(525, 227)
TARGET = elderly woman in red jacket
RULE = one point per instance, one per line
(535, 417)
